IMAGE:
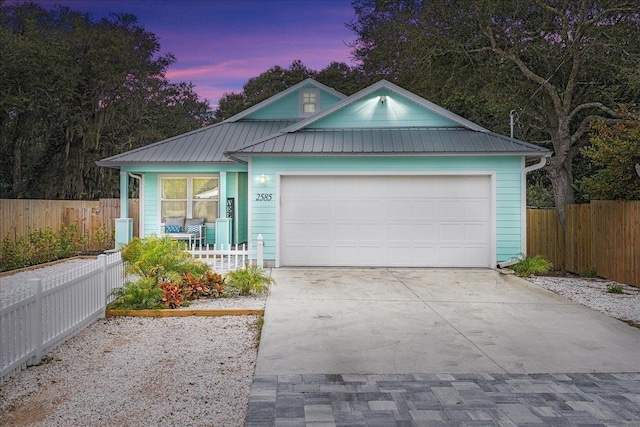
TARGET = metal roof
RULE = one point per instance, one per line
(206, 145)
(391, 141)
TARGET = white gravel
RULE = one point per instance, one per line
(11, 284)
(187, 371)
(178, 371)
(593, 293)
(127, 371)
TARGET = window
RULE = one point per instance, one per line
(310, 101)
(190, 197)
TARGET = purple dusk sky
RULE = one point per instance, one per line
(220, 44)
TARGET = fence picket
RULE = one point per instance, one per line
(52, 310)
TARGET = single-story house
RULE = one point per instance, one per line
(380, 178)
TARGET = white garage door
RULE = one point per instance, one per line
(419, 221)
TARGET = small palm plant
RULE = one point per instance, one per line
(158, 266)
(250, 280)
(160, 257)
(532, 265)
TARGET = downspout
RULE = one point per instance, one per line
(523, 182)
(140, 204)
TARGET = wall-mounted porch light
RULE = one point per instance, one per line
(383, 99)
(263, 180)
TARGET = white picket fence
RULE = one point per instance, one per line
(222, 259)
(53, 309)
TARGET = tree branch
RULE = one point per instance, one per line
(588, 105)
(586, 123)
(526, 71)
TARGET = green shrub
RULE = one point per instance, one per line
(615, 289)
(16, 253)
(144, 293)
(589, 274)
(532, 265)
(40, 246)
(160, 257)
(250, 280)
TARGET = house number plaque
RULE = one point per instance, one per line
(264, 197)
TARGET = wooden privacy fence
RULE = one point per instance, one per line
(94, 218)
(602, 236)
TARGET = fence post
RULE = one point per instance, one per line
(102, 259)
(260, 253)
(36, 321)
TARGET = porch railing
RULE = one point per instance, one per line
(224, 258)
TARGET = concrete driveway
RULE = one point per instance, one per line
(394, 321)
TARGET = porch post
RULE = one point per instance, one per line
(222, 195)
(124, 194)
(124, 224)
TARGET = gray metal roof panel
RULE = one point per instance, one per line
(206, 145)
(388, 140)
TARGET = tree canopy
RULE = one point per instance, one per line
(614, 151)
(74, 90)
(560, 64)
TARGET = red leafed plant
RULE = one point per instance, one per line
(171, 294)
(216, 284)
(194, 286)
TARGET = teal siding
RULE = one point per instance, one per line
(289, 106)
(369, 112)
(508, 188)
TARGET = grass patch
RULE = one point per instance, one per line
(589, 274)
(259, 326)
(615, 289)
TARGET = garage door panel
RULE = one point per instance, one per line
(475, 257)
(426, 232)
(476, 233)
(346, 232)
(477, 209)
(295, 209)
(451, 186)
(347, 209)
(400, 232)
(318, 209)
(296, 254)
(424, 190)
(451, 209)
(451, 233)
(295, 232)
(372, 232)
(473, 187)
(320, 232)
(439, 221)
(373, 209)
(401, 208)
(424, 209)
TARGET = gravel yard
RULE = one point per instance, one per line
(187, 371)
(593, 293)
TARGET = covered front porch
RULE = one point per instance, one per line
(216, 200)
